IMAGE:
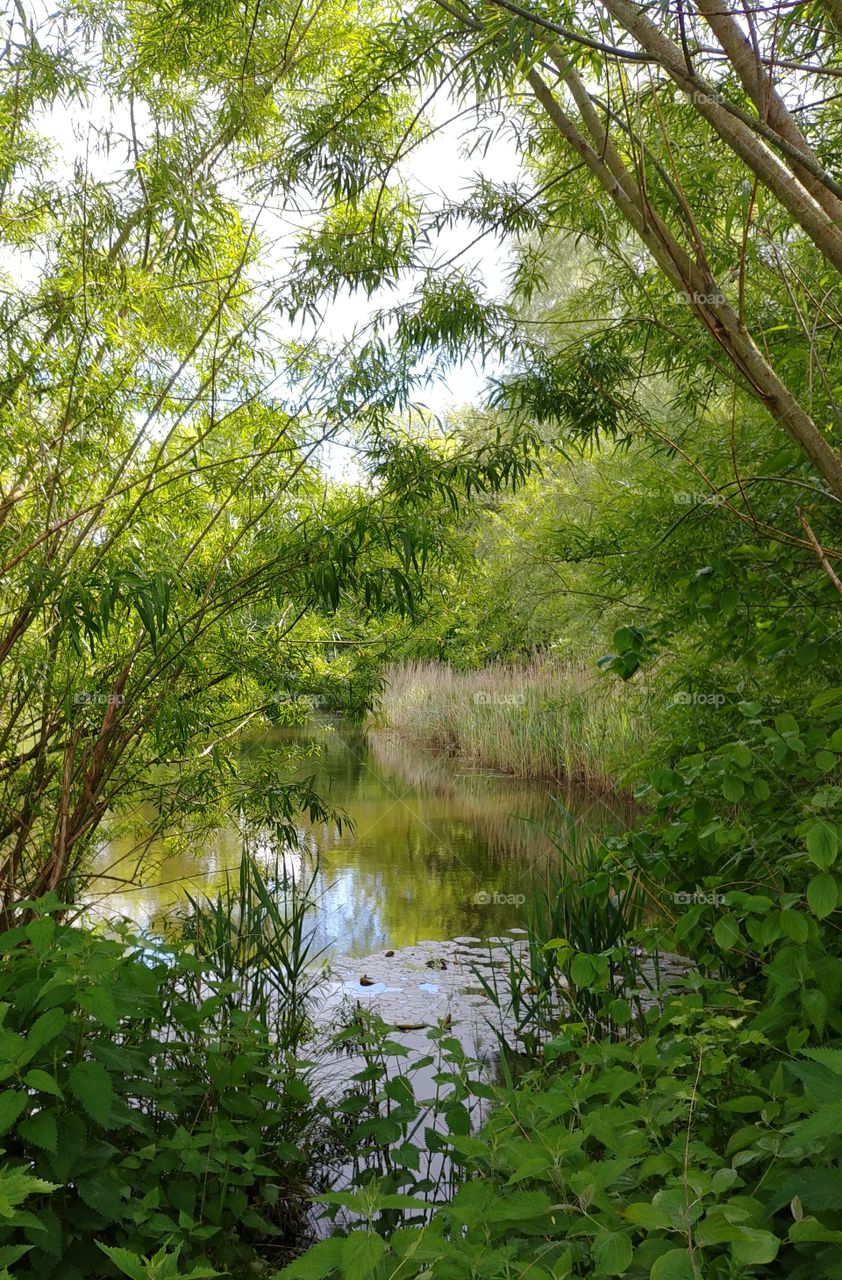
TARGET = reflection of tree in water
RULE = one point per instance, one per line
(425, 837)
(513, 814)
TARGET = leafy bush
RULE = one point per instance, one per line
(747, 843)
(696, 1150)
(164, 1117)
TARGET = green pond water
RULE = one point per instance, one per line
(434, 848)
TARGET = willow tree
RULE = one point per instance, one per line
(697, 142)
(169, 543)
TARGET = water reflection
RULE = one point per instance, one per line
(434, 850)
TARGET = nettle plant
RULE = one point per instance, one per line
(746, 852)
(142, 1110)
(693, 1150)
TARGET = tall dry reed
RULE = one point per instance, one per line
(543, 719)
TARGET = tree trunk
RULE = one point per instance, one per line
(760, 87)
(694, 283)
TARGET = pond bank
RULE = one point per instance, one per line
(545, 719)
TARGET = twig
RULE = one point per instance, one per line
(817, 547)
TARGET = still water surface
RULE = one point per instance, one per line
(435, 848)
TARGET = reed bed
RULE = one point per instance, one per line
(542, 719)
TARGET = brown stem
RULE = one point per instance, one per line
(817, 547)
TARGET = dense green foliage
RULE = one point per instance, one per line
(690, 1151)
(153, 1092)
(649, 490)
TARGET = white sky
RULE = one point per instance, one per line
(439, 168)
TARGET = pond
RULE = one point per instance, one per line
(434, 848)
(419, 894)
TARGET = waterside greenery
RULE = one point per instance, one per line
(647, 487)
(541, 718)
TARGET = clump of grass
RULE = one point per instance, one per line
(542, 719)
(257, 937)
(582, 907)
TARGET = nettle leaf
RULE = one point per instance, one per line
(41, 1130)
(99, 1003)
(825, 1122)
(101, 1191)
(822, 843)
(324, 1259)
(127, 1262)
(90, 1083)
(12, 1103)
(830, 1058)
(16, 1186)
(612, 1253)
(361, 1252)
(9, 1254)
(40, 933)
(45, 1029)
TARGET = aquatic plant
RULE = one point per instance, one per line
(256, 936)
(542, 719)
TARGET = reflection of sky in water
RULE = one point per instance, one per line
(427, 836)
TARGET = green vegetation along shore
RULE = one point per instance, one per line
(539, 719)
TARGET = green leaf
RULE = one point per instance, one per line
(321, 1260)
(822, 843)
(822, 895)
(128, 1263)
(755, 1247)
(726, 931)
(811, 1231)
(825, 1122)
(794, 925)
(612, 1253)
(361, 1252)
(41, 1130)
(830, 1058)
(733, 789)
(99, 1003)
(91, 1084)
(45, 1029)
(101, 1191)
(16, 1187)
(12, 1103)
(815, 1006)
(40, 933)
(582, 969)
(11, 1253)
(647, 1215)
(675, 1264)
